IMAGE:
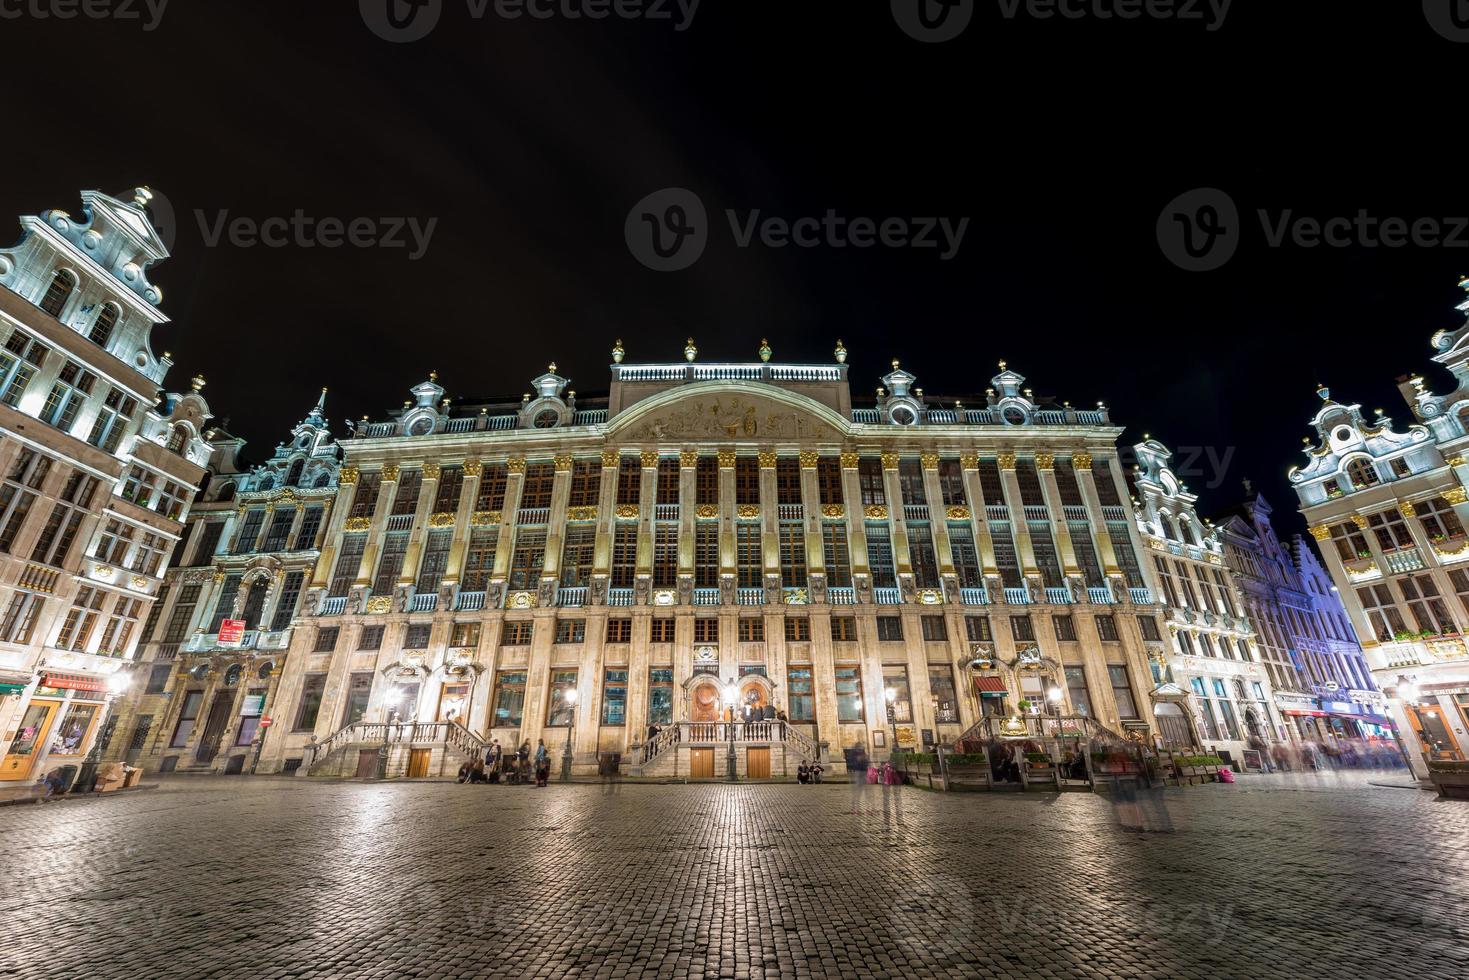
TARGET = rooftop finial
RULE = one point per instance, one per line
(765, 350)
(551, 367)
(1002, 365)
(1323, 392)
(690, 351)
(198, 382)
(841, 352)
(895, 364)
(141, 196)
(433, 376)
(617, 352)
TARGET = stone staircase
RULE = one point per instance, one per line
(447, 745)
(669, 754)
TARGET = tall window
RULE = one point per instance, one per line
(624, 555)
(945, 698)
(586, 483)
(395, 546)
(910, 482)
(880, 555)
(435, 561)
(665, 554)
(310, 525)
(787, 481)
(364, 500)
(405, 501)
(114, 542)
(966, 557)
(451, 485)
(224, 607)
(849, 693)
(285, 607)
(188, 715)
(536, 492)
(1426, 604)
(829, 480)
(560, 711)
(1362, 474)
(748, 559)
(895, 678)
(706, 481)
(869, 479)
(348, 563)
(105, 323)
(492, 480)
(509, 699)
(1046, 558)
(20, 617)
(16, 497)
(1122, 690)
(1106, 484)
(667, 483)
(577, 554)
(59, 534)
(1086, 553)
(68, 394)
(925, 559)
(479, 561)
(1126, 557)
(1439, 521)
(836, 555)
(183, 613)
(706, 555)
(951, 483)
(120, 626)
(56, 295)
(660, 696)
(313, 689)
(1076, 690)
(1066, 484)
(112, 420)
(629, 480)
(147, 557)
(1005, 557)
(792, 555)
(528, 558)
(614, 696)
(990, 483)
(747, 480)
(801, 699)
(18, 363)
(280, 530)
(81, 619)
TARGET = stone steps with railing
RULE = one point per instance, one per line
(332, 756)
(661, 755)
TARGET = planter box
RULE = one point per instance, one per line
(1451, 783)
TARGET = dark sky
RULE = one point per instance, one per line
(529, 141)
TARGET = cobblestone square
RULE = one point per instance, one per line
(1283, 876)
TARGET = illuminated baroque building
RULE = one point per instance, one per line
(99, 468)
(1323, 686)
(1389, 508)
(705, 536)
(1213, 692)
(248, 554)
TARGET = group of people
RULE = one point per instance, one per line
(1337, 754)
(509, 767)
(808, 774)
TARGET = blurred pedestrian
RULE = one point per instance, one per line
(543, 763)
(857, 766)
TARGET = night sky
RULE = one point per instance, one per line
(530, 141)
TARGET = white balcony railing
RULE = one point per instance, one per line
(1099, 596)
(1113, 513)
(424, 602)
(842, 596)
(706, 597)
(789, 512)
(1017, 597)
(532, 515)
(470, 601)
(750, 597)
(334, 605)
(570, 596)
(1141, 597)
(1074, 512)
(915, 512)
(974, 597)
(400, 522)
(665, 512)
(996, 512)
(1036, 512)
(1058, 597)
(887, 596)
(619, 597)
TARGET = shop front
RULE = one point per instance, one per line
(56, 726)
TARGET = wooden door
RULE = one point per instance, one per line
(418, 763)
(701, 763)
(30, 736)
(704, 703)
(757, 763)
(366, 763)
(214, 726)
(452, 701)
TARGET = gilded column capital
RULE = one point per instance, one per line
(850, 461)
(1361, 521)
(1006, 460)
(650, 459)
(1045, 461)
(688, 458)
(809, 459)
(611, 457)
(1408, 509)
(1321, 532)
(969, 461)
(889, 461)
(563, 462)
(473, 467)
(1457, 495)
(930, 461)
(1455, 460)
(430, 471)
(1081, 461)
(347, 476)
(726, 459)
(391, 472)
(767, 459)
(357, 524)
(515, 464)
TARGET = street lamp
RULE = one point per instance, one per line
(570, 698)
(891, 694)
(391, 705)
(1053, 695)
(731, 696)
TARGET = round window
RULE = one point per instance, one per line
(548, 419)
(1342, 434)
(200, 672)
(1014, 416)
(422, 427)
(903, 415)
(264, 672)
(232, 676)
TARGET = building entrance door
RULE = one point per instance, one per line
(1434, 739)
(214, 726)
(34, 726)
(704, 703)
(757, 763)
(701, 763)
(418, 763)
(367, 763)
(451, 703)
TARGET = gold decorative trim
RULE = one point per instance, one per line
(431, 471)
(1455, 460)
(562, 462)
(688, 458)
(833, 510)
(650, 459)
(484, 518)
(515, 464)
(379, 604)
(809, 459)
(1321, 532)
(876, 512)
(103, 571)
(747, 511)
(1407, 509)
(930, 597)
(357, 524)
(611, 457)
(850, 461)
(1045, 461)
(969, 461)
(957, 513)
(347, 476)
(665, 597)
(726, 459)
(442, 519)
(889, 461)
(930, 461)
(140, 583)
(581, 513)
(1006, 460)
(767, 459)
(1360, 521)
(392, 471)
(520, 600)
(796, 597)
(627, 512)
(1081, 461)
(706, 512)
(1456, 495)
(473, 467)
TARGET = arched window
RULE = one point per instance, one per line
(178, 440)
(58, 292)
(323, 481)
(293, 478)
(1362, 473)
(226, 492)
(266, 483)
(102, 327)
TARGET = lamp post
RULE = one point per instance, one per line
(1053, 698)
(731, 695)
(570, 699)
(390, 708)
(891, 696)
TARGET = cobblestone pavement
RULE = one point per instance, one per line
(1275, 876)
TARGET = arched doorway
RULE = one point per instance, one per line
(704, 701)
(1173, 725)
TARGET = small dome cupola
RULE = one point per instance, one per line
(1011, 400)
(899, 402)
(546, 408)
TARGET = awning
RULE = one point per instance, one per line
(7, 688)
(1303, 712)
(990, 687)
(74, 682)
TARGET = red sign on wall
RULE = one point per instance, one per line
(231, 633)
